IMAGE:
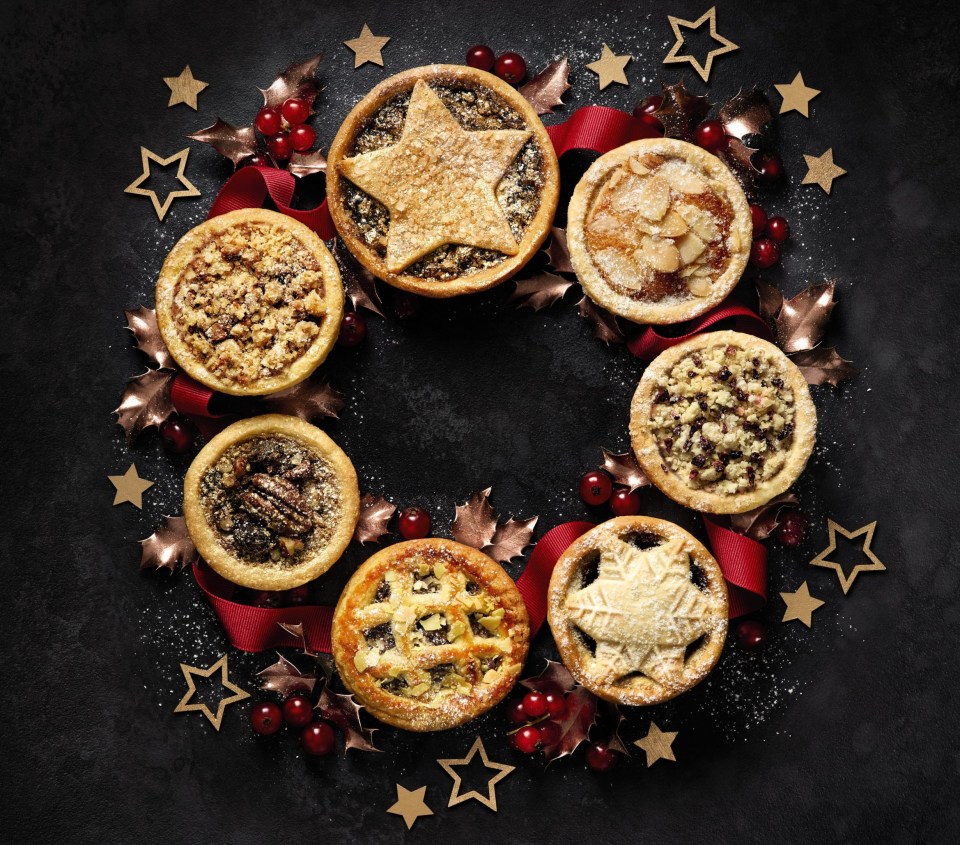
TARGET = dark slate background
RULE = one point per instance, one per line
(843, 733)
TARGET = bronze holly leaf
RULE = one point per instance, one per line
(681, 111)
(344, 712)
(285, 678)
(761, 522)
(359, 283)
(554, 674)
(233, 142)
(558, 256)
(545, 90)
(296, 629)
(615, 743)
(624, 469)
(603, 323)
(298, 80)
(169, 547)
(540, 290)
(823, 365)
(802, 320)
(146, 402)
(510, 539)
(770, 300)
(475, 521)
(375, 513)
(308, 400)
(747, 117)
(306, 164)
(142, 322)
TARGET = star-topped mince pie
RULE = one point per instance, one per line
(429, 634)
(659, 231)
(723, 422)
(442, 180)
(638, 608)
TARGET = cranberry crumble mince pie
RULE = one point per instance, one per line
(442, 180)
(429, 634)
(723, 422)
(659, 231)
(638, 608)
(249, 302)
(271, 502)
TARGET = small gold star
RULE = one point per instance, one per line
(846, 581)
(502, 770)
(184, 88)
(410, 805)
(367, 47)
(822, 171)
(130, 487)
(796, 96)
(610, 67)
(800, 605)
(189, 672)
(703, 69)
(657, 744)
(145, 158)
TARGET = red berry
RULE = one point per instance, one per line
(295, 111)
(751, 635)
(644, 111)
(266, 718)
(778, 229)
(709, 135)
(625, 502)
(297, 711)
(770, 166)
(549, 733)
(178, 435)
(413, 523)
(556, 705)
(318, 739)
(353, 329)
(406, 306)
(600, 758)
(481, 57)
(268, 121)
(267, 598)
(511, 67)
(595, 488)
(764, 253)
(759, 218)
(302, 138)
(516, 712)
(299, 595)
(792, 530)
(535, 704)
(526, 740)
(279, 146)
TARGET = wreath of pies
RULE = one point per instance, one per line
(442, 181)
(429, 634)
(271, 502)
(723, 422)
(638, 609)
(249, 302)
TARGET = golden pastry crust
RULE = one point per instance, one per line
(723, 422)
(249, 302)
(429, 634)
(659, 231)
(529, 203)
(632, 622)
(271, 502)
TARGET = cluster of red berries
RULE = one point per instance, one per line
(296, 712)
(768, 234)
(510, 67)
(597, 488)
(285, 130)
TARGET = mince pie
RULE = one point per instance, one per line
(271, 502)
(442, 180)
(723, 422)
(429, 634)
(638, 608)
(249, 302)
(659, 231)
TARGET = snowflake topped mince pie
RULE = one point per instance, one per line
(723, 422)
(659, 231)
(442, 180)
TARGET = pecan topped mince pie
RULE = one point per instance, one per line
(249, 302)
(271, 502)
(429, 634)
(723, 422)
(659, 231)
(442, 180)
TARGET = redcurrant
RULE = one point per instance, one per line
(778, 229)
(549, 733)
(792, 530)
(759, 218)
(353, 329)
(600, 758)
(318, 739)
(751, 634)
(481, 57)
(625, 502)
(257, 161)
(266, 718)
(526, 740)
(413, 523)
(511, 67)
(302, 138)
(595, 488)
(267, 598)
(516, 712)
(764, 253)
(297, 711)
(295, 111)
(535, 704)
(709, 135)
(407, 306)
(178, 436)
(279, 146)
(770, 167)
(644, 111)
(299, 595)
(268, 121)
(556, 705)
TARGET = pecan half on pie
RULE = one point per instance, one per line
(429, 634)
(271, 502)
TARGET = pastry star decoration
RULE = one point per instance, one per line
(438, 182)
(625, 610)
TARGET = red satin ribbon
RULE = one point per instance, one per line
(193, 400)
(597, 128)
(743, 562)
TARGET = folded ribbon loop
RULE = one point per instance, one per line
(597, 128)
(743, 562)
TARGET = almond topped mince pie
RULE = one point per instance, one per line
(659, 231)
(271, 502)
(442, 180)
(429, 634)
(638, 608)
(249, 302)
(723, 422)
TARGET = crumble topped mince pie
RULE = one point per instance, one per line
(723, 422)
(429, 634)
(271, 502)
(249, 302)
(659, 231)
(638, 608)
(442, 180)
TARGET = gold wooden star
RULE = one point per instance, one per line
(145, 158)
(796, 96)
(502, 770)
(800, 605)
(674, 56)
(184, 88)
(821, 170)
(657, 744)
(130, 487)
(610, 67)
(846, 581)
(189, 672)
(410, 805)
(366, 47)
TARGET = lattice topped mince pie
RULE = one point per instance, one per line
(723, 422)
(429, 634)
(638, 608)
(271, 502)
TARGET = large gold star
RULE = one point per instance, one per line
(438, 182)
(410, 805)
(130, 487)
(796, 96)
(846, 581)
(189, 190)
(822, 171)
(657, 744)
(184, 88)
(488, 800)
(610, 67)
(800, 605)
(367, 47)
(185, 706)
(674, 56)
